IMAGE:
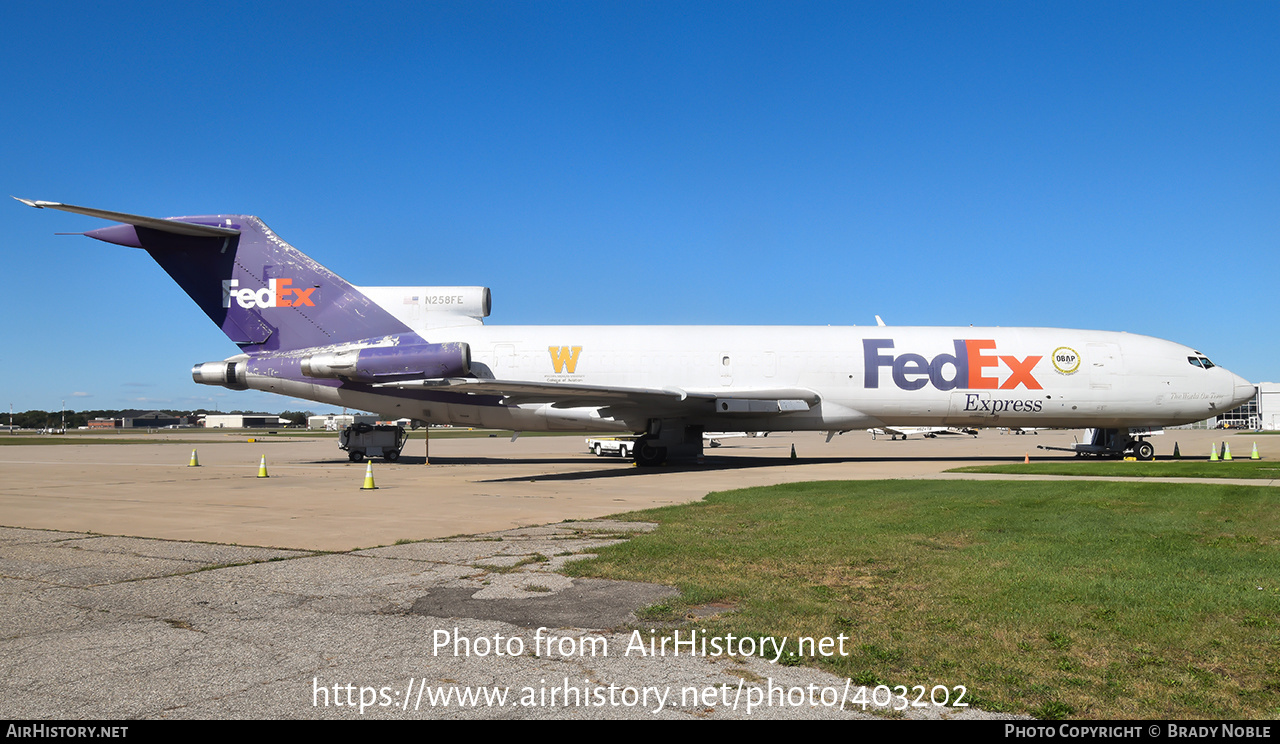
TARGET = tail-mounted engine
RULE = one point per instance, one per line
(229, 374)
(391, 363)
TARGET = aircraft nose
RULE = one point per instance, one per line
(1244, 391)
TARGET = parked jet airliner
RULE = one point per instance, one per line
(425, 353)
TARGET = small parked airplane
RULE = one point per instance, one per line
(928, 432)
(425, 353)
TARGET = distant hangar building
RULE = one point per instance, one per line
(139, 420)
(1260, 414)
(1269, 405)
(242, 421)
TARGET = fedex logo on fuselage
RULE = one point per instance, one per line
(277, 293)
(974, 366)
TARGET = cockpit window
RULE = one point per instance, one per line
(1200, 361)
(1204, 361)
(1193, 361)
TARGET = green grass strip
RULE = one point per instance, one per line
(1059, 599)
(1238, 468)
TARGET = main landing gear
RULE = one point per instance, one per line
(667, 438)
(649, 452)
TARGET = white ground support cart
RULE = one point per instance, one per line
(620, 446)
(362, 439)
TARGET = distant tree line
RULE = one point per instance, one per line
(45, 419)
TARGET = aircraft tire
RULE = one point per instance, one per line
(1144, 450)
(648, 454)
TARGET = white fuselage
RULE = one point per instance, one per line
(862, 377)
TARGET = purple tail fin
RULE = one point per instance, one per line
(266, 295)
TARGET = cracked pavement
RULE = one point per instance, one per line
(104, 627)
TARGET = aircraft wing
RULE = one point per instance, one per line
(571, 395)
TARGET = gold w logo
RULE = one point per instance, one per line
(564, 358)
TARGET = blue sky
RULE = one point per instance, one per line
(1083, 165)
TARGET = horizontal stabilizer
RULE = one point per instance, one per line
(175, 227)
(263, 293)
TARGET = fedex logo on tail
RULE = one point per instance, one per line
(277, 293)
(975, 365)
